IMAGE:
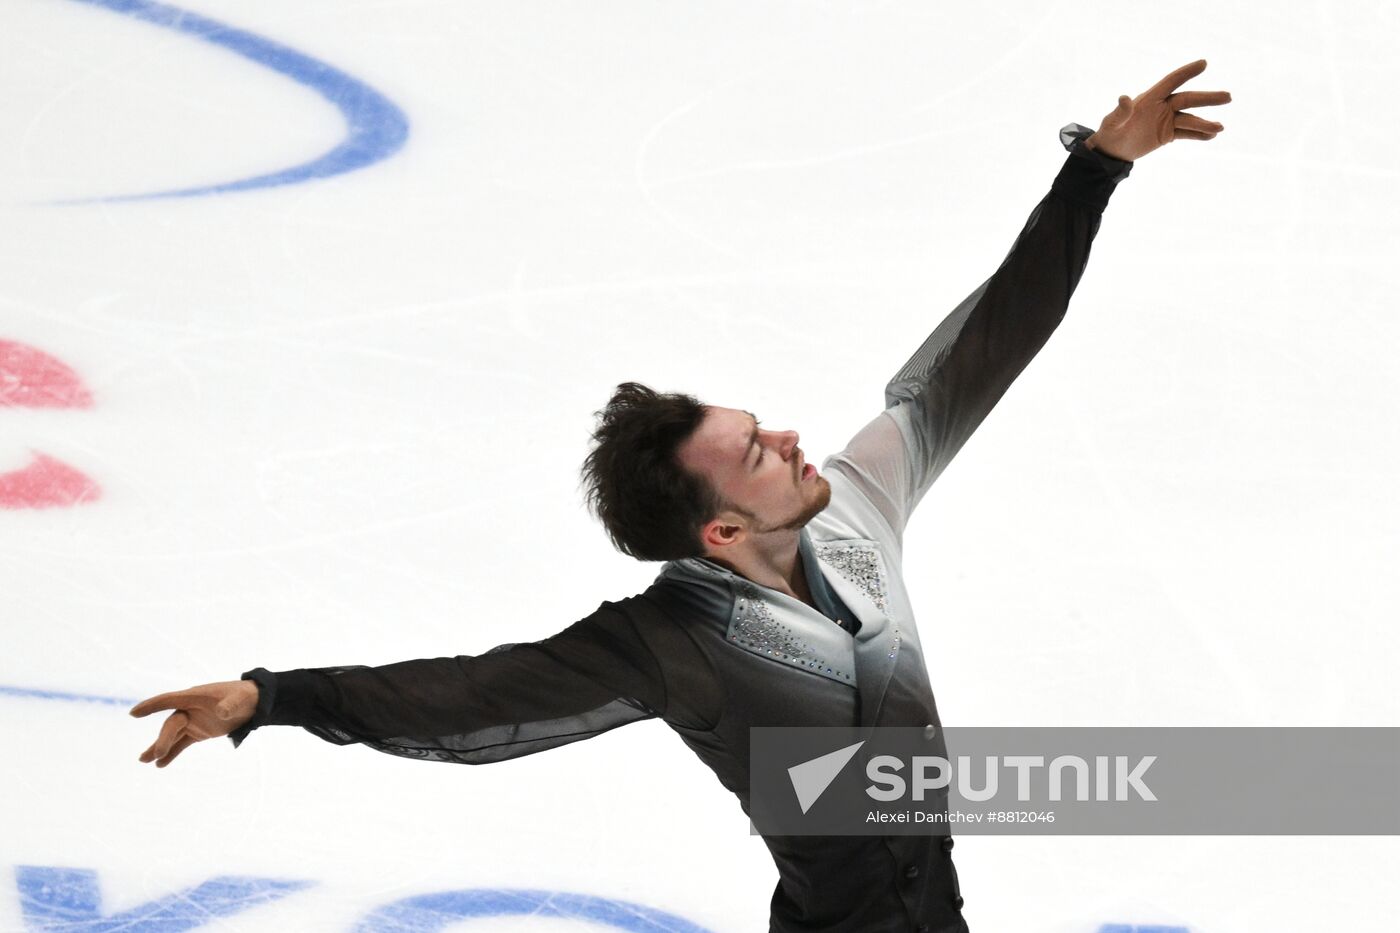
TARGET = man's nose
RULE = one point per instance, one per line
(788, 443)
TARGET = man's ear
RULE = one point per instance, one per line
(723, 531)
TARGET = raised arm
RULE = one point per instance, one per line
(598, 674)
(947, 388)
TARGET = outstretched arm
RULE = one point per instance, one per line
(936, 401)
(598, 674)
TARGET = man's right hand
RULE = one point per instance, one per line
(204, 712)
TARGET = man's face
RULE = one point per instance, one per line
(761, 474)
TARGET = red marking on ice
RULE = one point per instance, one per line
(45, 483)
(30, 378)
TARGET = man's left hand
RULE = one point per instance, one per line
(1154, 118)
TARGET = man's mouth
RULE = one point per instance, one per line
(808, 471)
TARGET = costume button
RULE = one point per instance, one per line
(911, 872)
(930, 731)
(923, 928)
(947, 843)
(958, 902)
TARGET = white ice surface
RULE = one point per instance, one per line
(340, 422)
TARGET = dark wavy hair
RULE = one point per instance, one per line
(651, 507)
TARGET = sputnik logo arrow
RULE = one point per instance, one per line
(811, 778)
(31, 378)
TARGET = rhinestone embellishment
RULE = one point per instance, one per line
(860, 566)
(756, 629)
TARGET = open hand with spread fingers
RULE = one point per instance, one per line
(200, 713)
(1155, 117)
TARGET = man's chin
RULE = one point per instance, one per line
(821, 499)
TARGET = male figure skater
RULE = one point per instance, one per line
(782, 601)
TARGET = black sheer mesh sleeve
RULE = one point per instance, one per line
(513, 700)
(948, 387)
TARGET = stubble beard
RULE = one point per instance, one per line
(820, 501)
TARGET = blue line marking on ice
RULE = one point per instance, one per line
(375, 127)
(431, 912)
(69, 899)
(32, 694)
